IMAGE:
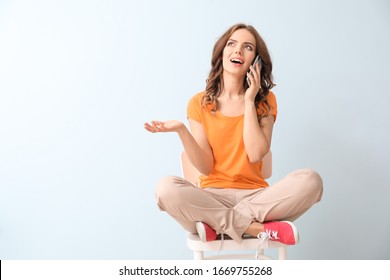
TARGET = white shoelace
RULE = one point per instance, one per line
(222, 240)
(265, 237)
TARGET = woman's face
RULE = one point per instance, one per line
(239, 52)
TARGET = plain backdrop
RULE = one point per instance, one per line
(79, 78)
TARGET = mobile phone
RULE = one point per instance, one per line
(257, 60)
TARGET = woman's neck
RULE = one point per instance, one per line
(232, 87)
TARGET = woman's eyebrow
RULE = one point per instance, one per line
(249, 43)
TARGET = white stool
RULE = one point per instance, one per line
(199, 248)
(191, 174)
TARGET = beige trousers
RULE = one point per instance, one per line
(231, 211)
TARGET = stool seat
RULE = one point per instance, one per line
(227, 244)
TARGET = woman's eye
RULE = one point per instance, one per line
(249, 47)
(230, 44)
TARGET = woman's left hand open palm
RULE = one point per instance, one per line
(159, 126)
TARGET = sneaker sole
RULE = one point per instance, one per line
(201, 231)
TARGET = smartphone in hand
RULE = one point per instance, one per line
(257, 60)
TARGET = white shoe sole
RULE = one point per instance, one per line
(201, 231)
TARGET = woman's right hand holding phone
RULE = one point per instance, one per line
(253, 77)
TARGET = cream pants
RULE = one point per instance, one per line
(231, 211)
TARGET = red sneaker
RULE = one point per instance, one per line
(206, 233)
(284, 232)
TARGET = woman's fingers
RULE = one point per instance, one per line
(152, 126)
(148, 127)
(254, 76)
(167, 126)
(155, 126)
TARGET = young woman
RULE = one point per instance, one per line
(230, 132)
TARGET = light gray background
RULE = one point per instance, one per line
(79, 78)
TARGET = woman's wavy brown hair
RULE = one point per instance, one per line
(214, 82)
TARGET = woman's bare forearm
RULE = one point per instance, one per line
(257, 140)
(198, 156)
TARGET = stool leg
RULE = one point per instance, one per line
(198, 255)
(282, 253)
(260, 254)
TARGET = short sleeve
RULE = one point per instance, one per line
(274, 106)
(194, 108)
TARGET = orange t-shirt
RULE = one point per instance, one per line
(232, 168)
